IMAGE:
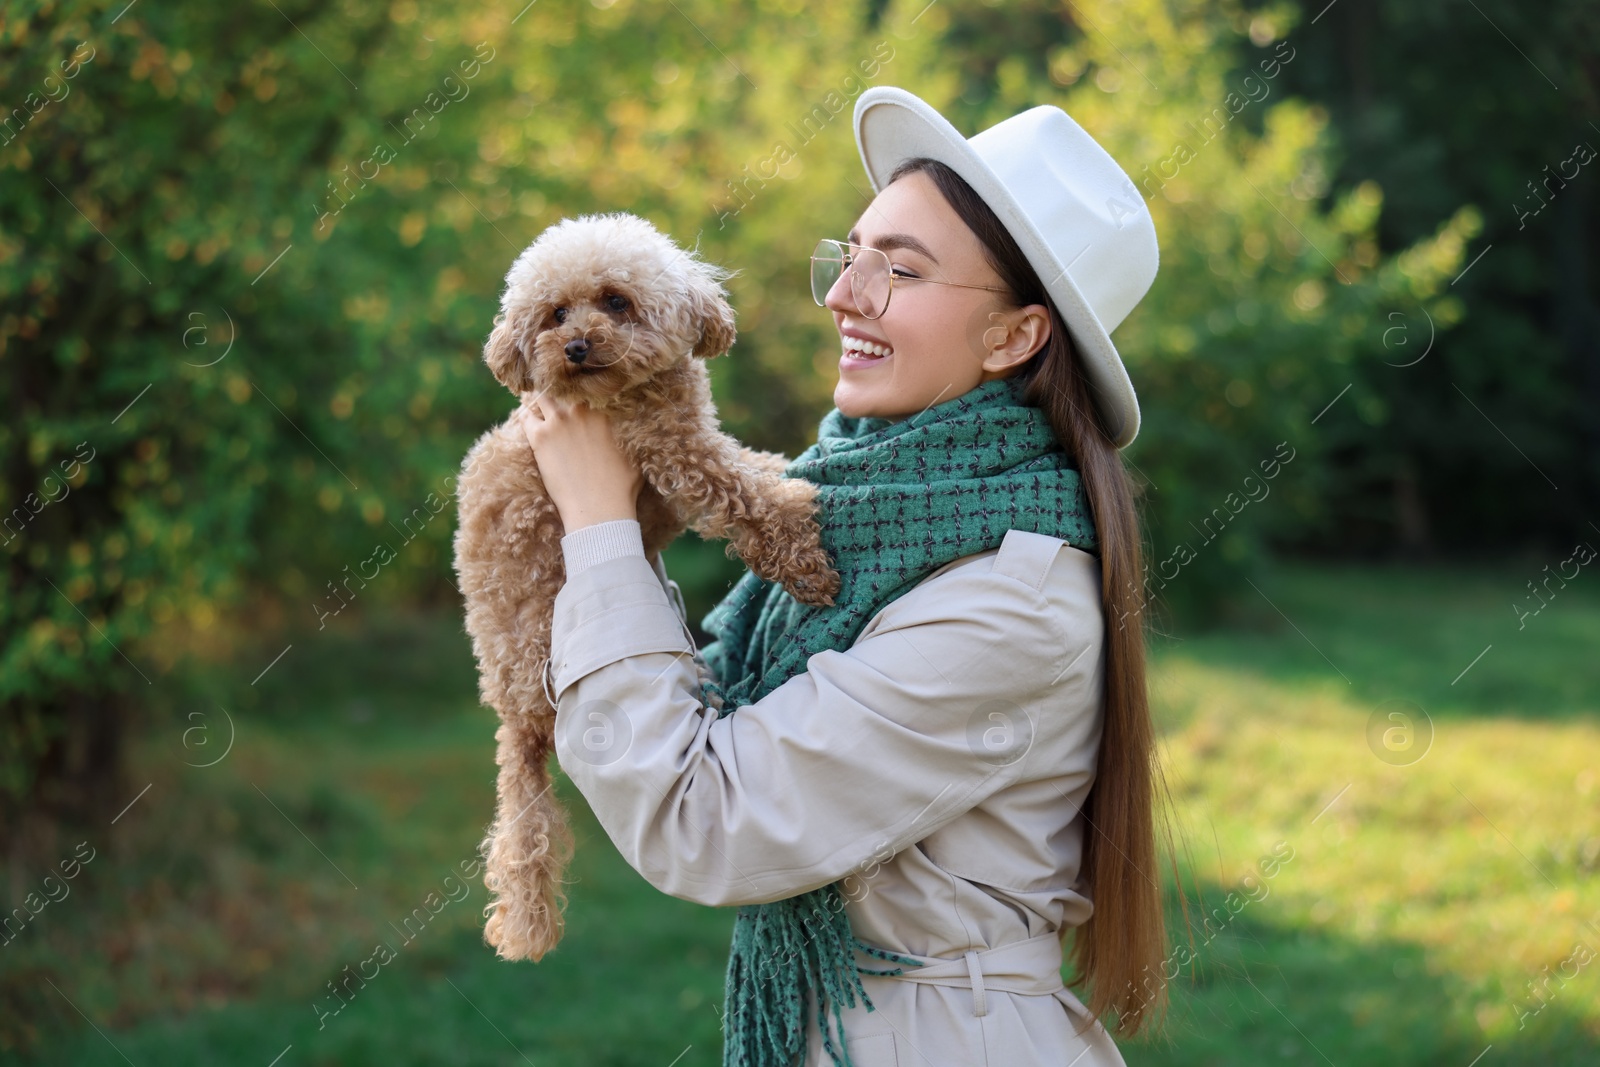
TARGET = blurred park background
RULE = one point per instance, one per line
(248, 258)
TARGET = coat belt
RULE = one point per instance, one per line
(1030, 966)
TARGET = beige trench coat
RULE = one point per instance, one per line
(937, 766)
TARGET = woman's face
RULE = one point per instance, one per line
(944, 339)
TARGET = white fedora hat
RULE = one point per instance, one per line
(1071, 209)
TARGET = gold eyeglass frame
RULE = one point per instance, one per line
(847, 258)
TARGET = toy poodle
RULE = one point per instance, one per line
(606, 309)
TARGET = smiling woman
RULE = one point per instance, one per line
(955, 335)
(951, 767)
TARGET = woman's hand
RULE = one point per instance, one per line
(587, 475)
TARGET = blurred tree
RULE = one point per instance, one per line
(1272, 293)
(196, 286)
(248, 260)
(1493, 440)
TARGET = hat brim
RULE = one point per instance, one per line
(893, 125)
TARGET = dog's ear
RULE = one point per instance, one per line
(711, 307)
(501, 354)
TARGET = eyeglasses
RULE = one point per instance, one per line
(871, 279)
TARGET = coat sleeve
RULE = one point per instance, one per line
(870, 749)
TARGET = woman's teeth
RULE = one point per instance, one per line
(865, 349)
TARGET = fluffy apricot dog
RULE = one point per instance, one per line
(606, 309)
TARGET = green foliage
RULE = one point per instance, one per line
(248, 259)
(1493, 440)
(173, 314)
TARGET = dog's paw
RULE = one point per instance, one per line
(817, 585)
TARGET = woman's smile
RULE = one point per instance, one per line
(861, 351)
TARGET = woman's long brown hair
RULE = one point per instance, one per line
(1120, 952)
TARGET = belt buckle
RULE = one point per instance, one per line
(545, 680)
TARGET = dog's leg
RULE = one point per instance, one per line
(785, 544)
(768, 520)
(526, 849)
(507, 560)
(771, 462)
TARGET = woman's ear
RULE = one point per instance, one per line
(710, 305)
(503, 358)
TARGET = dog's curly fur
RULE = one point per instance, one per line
(651, 314)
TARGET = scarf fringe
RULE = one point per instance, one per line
(763, 1027)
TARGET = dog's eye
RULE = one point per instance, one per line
(561, 314)
(617, 303)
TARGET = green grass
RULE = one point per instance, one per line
(1420, 901)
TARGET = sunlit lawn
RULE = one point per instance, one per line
(1420, 901)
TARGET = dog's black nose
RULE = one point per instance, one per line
(577, 350)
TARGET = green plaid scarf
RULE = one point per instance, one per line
(897, 500)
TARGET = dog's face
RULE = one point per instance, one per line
(601, 303)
